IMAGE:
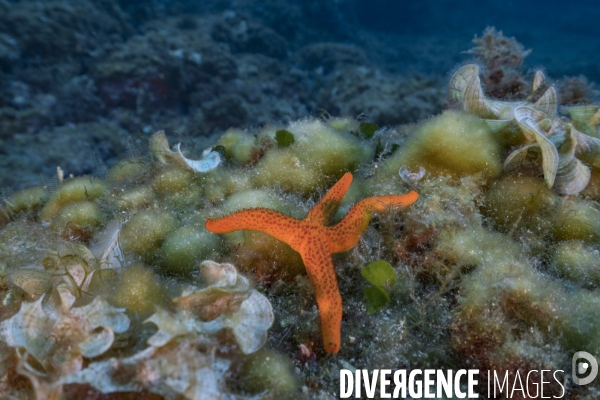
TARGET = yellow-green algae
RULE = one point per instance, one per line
(269, 370)
(183, 247)
(520, 201)
(494, 271)
(139, 290)
(578, 261)
(77, 219)
(145, 231)
(454, 143)
(77, 189)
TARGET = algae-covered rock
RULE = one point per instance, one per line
(473, 247)
(177, 186)
(493, 272)
(453, 143)
(145, 231)
(286, 168)
(519, 201)
(579, 323)
(135, 198)
(268, 370)
(138, 290)
(240, 146)
(76, 189)
(77, 220)
(344, 124)
(578, 261)
(221, 183)
(25, 200)
(509, 313)
(318, 152)
(577, 220)
(128, 170)
(184, 248)
(254, 198)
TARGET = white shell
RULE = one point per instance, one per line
(97, 343)
(77, 272)
(459, 82)
(209, 161)
(35, 282)
(216, 274)
(159, 146)
(72, 268)
(571, 176)
(411, 177)
(465, 89)
(524, 158)
(528, 120)
(587, 148)
(538, 80)
(65, 296)
(563, 171)
(23, 330)
(251, 322)
(504, 110)
(557, 128)
(169, 326)
(101, 314)
(182, 360)
(474, 99)
(547, 103)
(107, 249)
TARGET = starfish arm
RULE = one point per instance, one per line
(319, 266)
(344, 235)
(271, 222)
(322, 212)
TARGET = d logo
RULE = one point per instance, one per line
(579, 369)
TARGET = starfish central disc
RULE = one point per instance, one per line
(315, 241)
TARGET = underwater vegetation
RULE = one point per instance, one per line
(552, 147)
(503, 60)
(184, 275)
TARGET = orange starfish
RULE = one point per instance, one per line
(316, 242)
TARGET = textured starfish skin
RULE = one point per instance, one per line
(316, 242)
